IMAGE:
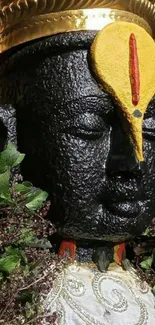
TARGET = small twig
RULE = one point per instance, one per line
(5, 209)
(45, 221)
(37, 317)
(38, 280)
(152, 270)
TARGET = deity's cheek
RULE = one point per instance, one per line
(149, 144)
(149, 154)
(84, 162)
(148, 178)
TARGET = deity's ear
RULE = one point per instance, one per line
(123, 60)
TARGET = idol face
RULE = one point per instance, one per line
(75, 145)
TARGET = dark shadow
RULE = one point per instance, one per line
(3, 135)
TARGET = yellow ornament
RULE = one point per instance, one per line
(123, 59)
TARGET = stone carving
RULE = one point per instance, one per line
(74, 143)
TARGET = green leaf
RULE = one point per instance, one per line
(26, 270)
(27, 184)
(4, 185)
(34, 266)
(5, 199)
(33, 198)
(26, 236)
(153, 290)
(42, 243)
(11, 259)
(12, 251)
(1, 276)
(146, 263)
(23, 261)
(36, 200)
(25, 296)
(146, 232)
(10, 157)
(9, 263)
(22, 188)
(29, 310)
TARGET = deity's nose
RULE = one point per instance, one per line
(122, 159)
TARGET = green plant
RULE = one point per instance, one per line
(12, 258)
(24, 245)
(18, 195)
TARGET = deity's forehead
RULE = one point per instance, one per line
(123, 59)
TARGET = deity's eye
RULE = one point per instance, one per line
(88, 126)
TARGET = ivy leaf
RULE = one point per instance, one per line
(4, 185)
(36, 200)
(146, 263)
(23, 189)
(5, 199)
(153, 290)
(33, 198)
(11, 259)
(26, 236)
(9, 263)
(27, 184)
(10, 157)
(11, 251)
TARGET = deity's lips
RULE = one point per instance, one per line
(125, 209)
(119, 189)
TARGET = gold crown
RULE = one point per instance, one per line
(25, 20)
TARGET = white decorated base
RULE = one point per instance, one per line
(83, 295)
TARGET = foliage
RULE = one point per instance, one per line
(144, 250)
(153, 289)
(12, 258)
(24, 245)
(147, 262)
(30, 197)
(150, 231)
(26, 236)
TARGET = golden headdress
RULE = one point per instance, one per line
(25, 20)
(126, 42)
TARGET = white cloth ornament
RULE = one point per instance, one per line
(81, 295)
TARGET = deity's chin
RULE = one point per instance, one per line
(119, 222)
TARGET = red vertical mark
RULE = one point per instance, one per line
(134, 70)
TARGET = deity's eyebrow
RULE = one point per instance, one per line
(103, 103)
(79, 98)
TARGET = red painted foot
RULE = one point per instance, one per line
(119, 253)
(70, 246)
